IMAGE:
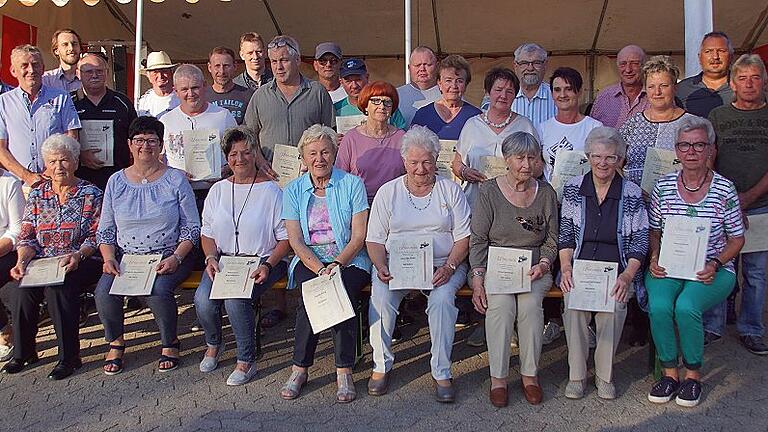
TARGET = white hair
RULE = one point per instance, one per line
(520, 143)
(607, 136)
(420, 137)
(693, 123)
(188, 71)
(318, 132)
(26, 49)
(57, 143)
(531, 47)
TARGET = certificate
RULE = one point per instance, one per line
(507, 271)
(410, 262)
(684, 246)
(445, 159)
(658, 163)
(286, 163)
(98, 135)
(234, 281)
(492, 166)
(137, 275)
(43, 272)
(756, 235)
(202, 156)
(326, 301)
(345, 123)
(593, 282)
(568, 164)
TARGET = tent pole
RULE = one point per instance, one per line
(407, 39)
(137, 52)
(698, 22)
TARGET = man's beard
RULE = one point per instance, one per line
(531, 80)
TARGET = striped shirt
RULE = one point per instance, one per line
(539, 109)
(720, 206)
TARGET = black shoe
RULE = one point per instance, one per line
(397, 335)
(638, 338)
(689, 393)
(663, 390)
(730, 315)
(195, 327)
(710, 338)
(133, 304)
(63, 370)
(17, 365)
(754, 344)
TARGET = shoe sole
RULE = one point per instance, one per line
(660, 399)
(687, 403)
(760, 353)
(574, 396)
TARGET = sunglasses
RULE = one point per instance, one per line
(378, 101)
(281, 43)
(324, 61)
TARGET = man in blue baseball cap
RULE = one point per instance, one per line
(353, 76)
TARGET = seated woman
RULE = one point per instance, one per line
(694, 191)
(326, 215)
(60, 220)
(420, 202)
(603, 218)
(149, 208)
(11, 211)
(514, 210)
(241, 217)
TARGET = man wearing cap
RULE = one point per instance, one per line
(105, 115)
(353, 77)
(253, 53)
(327, 63)
(161, 98)
(422, 90)
(66, 45)
(224, 92)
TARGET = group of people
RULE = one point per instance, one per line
(378, 182)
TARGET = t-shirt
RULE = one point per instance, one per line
(235, 100)
(338, 94)
(321, 238)
(411, 99)
(556, 136)
(428, 116)
(150, 104)
(742, 142)
(695, 97)
(343, 108)
(375, 160)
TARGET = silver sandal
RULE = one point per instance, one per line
(346, 392)
(292, 388)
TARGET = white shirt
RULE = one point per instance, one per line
(261, 224)
(556, 136)
(446, 217)
(13, 210)
(156, 106)
(338, 94)
(412, 98)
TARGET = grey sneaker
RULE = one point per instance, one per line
(605, 389)
(238, 377)
(575, 389)
(477, 338)
(209, 364)
(552, 331)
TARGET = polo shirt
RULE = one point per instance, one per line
(55, 78)
(612, 107)
(539, 109)
(245, 80)
(343, 109)
(235, 100)
(695, 97)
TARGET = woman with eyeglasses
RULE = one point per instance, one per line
(149, 208)
(603, 218)
(371, 151)
(677, 304)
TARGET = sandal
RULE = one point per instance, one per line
(292, 388)
(272, 318)
(116, 362)
(174, 361)
(346, 392)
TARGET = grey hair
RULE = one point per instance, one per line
(720, 35)
(531, 47)
(606, 136)
(188, 71)
(236, 135)
(293, 47)
(692, 123)
(748, 60)
(61, 143)
(420, 137)
(520, 143)
(318, 132)
(632, 48)
(26, 49)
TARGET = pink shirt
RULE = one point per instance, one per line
(612, 107)
(375, 160)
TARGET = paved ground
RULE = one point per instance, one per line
(140, 399)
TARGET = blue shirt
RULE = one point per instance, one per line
(5, 87)
(26, 124)
(55, 78)
(346, 197)
(428, 116)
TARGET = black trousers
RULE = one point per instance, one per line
(7, 262)
(64, 308)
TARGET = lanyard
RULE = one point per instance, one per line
(236, 222)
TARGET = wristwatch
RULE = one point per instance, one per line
(478, 273)
(718, 263)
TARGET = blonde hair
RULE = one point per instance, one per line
(661, 64)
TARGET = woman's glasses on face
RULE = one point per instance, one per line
(378, 101)
(611, 159)
(151, 142)
(684, 146)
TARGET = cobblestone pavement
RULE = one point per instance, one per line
(140, 399)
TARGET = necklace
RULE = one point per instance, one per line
(146, 175)
(316, 187)
(410, 197)
(501, 125)
(696, 189)
(236, 223)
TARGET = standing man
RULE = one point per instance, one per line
(66, 45)
(353, 77)
(741, 128)
(534, 99)
(160, 98)
(102, 110)
(253, 52)
(710, 89)
(616, 103)
(224, 92)
(29, 114)
(327, 65)
(422, 90)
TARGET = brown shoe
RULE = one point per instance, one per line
(499, 397)
(532, 393)
(379, 387)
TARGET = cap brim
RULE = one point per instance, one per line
(353, 72)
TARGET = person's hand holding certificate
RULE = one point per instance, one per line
(202, 156)
(286, 163)
(43, 272)
(684, 246)
(508, 271)
(593, 286)
(137, 275)
(98, 135)
(492, 166)
(326, 301)
(658, 162)
(411, 262)
(234, 278)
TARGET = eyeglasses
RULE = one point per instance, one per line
(684, 146)
(281, 43)
(611, 159)
(378, 101)
(324, 61)
(151, 142)
(536, 63)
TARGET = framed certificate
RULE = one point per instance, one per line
(684, 246)
(43, 272)
(137, 275)
(411, 262)
(658, 163)
(492, 166)
(593, 282)
(326, 301)
(756, 235)
(202, 155)
(568, 164)
(99, 135)
(345, 123)
(445, 159)
(507, 271)
(287, 163)
(234, 278)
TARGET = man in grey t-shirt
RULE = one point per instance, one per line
(224, 92)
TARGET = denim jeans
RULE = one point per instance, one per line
(240, 312)
(750, 320)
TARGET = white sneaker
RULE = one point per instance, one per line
(238, 377)
(592, 338)
(6, 352)
(552, 331)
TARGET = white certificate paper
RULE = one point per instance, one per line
(326, 301)
(43, 272)
(202, 155)
(658, 163)
(507, 271)
(568, 164)
(756, 235)
(593, 282)
(99, 135)
(137, 275)
(286, 163)
(684, 246)
(492, 166)
(445, 159)
(234, 278)
(345, 123)
(410, 262)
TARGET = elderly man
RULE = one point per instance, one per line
(160, 98)
(422, 90)
(29, 114)
(710, 89)
(741, 128)
(105, 115)
(618, 102)
(354, 76)
(327, 65)
(534, 99)
(66, 45)
(224, 92)
(253, 53)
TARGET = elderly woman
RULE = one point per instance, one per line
(514, 211)
(482, 134)
(11, 211)
(603, 218)
(326, 215)
(60, 220)
(371, 151)
(695, 191)
(418, 203)
(446, 116)
(149, 208)
(225, 232)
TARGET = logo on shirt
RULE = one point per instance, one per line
(552, 151)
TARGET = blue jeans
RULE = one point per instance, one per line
(240, 312)
(750, 320)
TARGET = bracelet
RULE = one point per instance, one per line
(321, 271)
(545, 262)
(178, 257)
(718, 263)
(267, 265)
(207, 257)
